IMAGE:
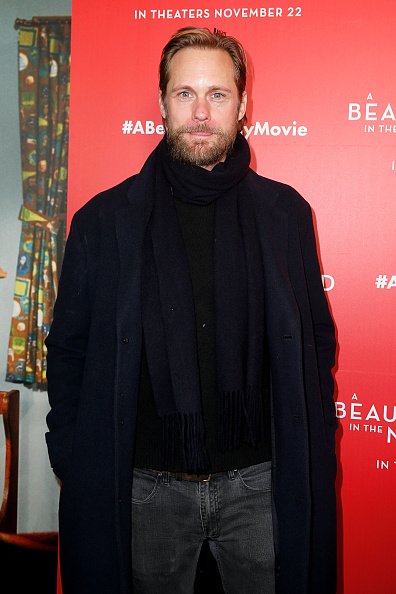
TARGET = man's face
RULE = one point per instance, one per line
(201, 107)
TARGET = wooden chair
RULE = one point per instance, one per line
(39, 541)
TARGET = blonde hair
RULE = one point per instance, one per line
(203, 38)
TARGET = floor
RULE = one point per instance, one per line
(208, 578)
(25, 570)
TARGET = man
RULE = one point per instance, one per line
(190, 362)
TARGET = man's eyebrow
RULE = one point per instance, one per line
(181, 87)
(219, 88)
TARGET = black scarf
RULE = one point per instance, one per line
(168, 306)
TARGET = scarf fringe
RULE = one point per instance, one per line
(190, 428)
(241, 418)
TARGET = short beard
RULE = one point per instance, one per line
(198, 151)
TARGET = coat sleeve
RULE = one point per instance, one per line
(66, 346)
(323, 325)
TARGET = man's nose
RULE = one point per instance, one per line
(201, 110)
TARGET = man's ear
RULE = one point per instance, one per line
(242, 106)
(161, 104)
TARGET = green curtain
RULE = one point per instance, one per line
(44, 89)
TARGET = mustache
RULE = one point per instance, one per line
(202, 128)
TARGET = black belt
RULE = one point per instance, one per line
(185, 476)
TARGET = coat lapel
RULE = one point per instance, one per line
(272, 223)
(273, 227)
(131, 222)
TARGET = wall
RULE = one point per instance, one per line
(322, 118)
(38, 488)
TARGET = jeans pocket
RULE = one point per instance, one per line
(256, 478)
(144, 485)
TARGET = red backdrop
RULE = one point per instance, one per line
(322, 118)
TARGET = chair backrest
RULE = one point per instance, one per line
(9, 409)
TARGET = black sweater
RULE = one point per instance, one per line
(197, 224)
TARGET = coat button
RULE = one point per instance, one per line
(125, 339)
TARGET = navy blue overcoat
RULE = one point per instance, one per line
(94, 353)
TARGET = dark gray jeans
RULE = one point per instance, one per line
(172, 518)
